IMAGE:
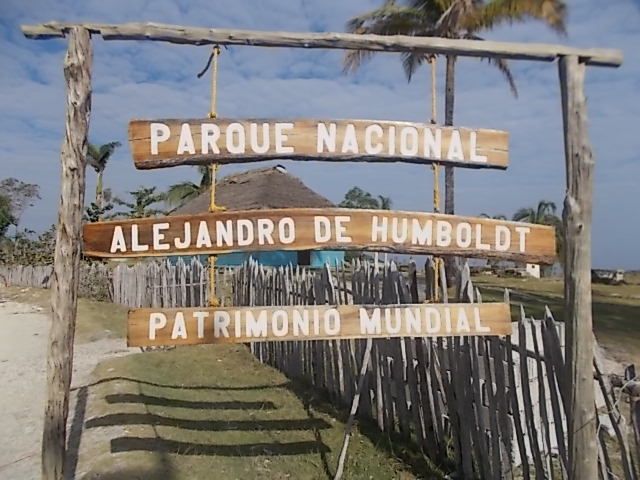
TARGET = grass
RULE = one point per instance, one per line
(210, 411)
(95, 320)
(215, 412)
(616, 308)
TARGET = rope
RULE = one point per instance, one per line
(434, 114)
(436, 170)
(213, 60)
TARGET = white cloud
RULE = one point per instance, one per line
(138, 80)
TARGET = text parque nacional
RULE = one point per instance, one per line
(222, 140)
(239, 138)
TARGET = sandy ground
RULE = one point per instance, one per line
(22, 378)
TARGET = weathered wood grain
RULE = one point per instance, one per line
(385, 43)
(581, 417)
(223, 140)
(66, 269)
(179, 326)
(350, 229)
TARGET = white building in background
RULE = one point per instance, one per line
(533, 270)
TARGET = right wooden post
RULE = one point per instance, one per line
(581, 415)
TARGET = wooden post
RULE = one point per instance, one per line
(354, 409)
(64, 288)
(581, 415)
(213, 113)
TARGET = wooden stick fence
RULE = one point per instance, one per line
(487, 407)
(484, 406)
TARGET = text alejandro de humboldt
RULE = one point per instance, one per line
(315, 228)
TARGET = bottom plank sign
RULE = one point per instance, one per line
(191, 326)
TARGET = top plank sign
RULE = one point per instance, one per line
(167, 143)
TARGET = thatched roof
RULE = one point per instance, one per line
(271, 187)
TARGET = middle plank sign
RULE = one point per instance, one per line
(321, 229)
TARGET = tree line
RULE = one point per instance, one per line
(24, 246)
(464, 19)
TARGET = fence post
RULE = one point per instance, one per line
(64, 289)
(581, 417)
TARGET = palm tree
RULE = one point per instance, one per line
(98, 156)
(544, 214)
(384, 203)
(358, 198)
(181, 192)
(141, 204)
(6, 216)
(450, 19)
(494, 217)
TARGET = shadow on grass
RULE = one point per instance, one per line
(178, 403)
(75, 433)
(205, 425)
(161, 445)
(184, 387)
(394, 445)
(157, 473)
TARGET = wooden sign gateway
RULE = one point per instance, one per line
(166, 143)
(313, 228)
(190, 326)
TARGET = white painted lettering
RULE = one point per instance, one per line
(159, 133)
(157, 321)
(282, 137)
(326, 138)
(185, 143)
(117, 241)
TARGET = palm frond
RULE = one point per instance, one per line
(545, 209)
(107, 149)
(451, 21)
(500, 63)
(181, 192)
(524, 214)
(389, 19)
(552, 13)
(93, 154)
(411, 61)
(98, 155)
(123, 203)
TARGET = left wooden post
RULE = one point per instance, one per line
(64, 287)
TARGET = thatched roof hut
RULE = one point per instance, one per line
(271, 187)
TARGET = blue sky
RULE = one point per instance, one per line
(154, 80)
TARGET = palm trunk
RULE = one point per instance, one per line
(451, 263)
(99, 192)
(449, 183)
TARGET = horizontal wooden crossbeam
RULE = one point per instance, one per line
(346, 41)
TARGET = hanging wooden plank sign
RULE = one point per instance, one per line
(166, 143)
(190, 326)
(317, 229)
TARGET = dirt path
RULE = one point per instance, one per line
(22, 377)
